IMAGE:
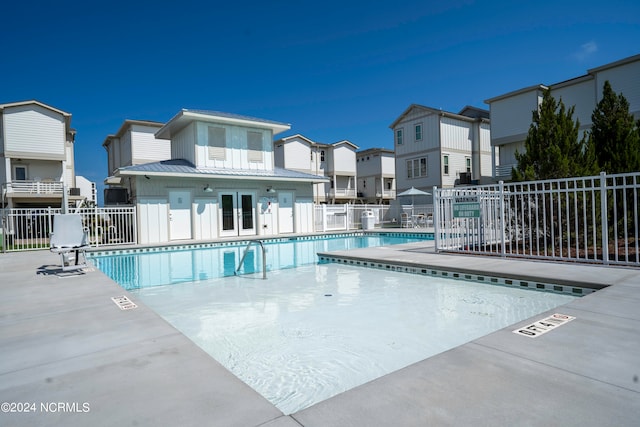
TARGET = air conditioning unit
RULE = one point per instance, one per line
(74, 191)
(465, 177)
(116, 196)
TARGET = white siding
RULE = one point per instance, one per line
(512, 116)
(236, 152)
(486, 156)
(44, 170)
(153, 221)
(508, 152)
(183, 143)
(455, 135)
(344, 160)
(125, 149)
(298, 156)
(582, 96)
(205, 212)
(303, 216)
(388, 165)
(146, 148)
(624, 79)
(430, 132)
(34, 129)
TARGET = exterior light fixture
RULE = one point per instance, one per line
(208, 189)
(270, 190)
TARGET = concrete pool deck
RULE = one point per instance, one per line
(70, 351)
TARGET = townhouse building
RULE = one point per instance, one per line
(440, 148)
(37, 163)
(511, 112)
(376, 171)
(220, 180)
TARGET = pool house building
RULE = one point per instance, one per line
(220, 181)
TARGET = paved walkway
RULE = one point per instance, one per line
(70, 351)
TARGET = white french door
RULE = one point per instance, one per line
(237, 213)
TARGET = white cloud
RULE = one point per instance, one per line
(586, 50)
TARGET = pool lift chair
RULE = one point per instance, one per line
(69, 240)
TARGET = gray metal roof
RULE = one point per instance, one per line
(181, 167)
(234, 116)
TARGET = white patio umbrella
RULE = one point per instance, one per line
(413, 191)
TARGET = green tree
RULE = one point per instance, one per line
(614, 136)
(552, 148)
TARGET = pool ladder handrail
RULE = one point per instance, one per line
(264, 257)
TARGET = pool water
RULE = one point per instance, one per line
(157, 267)
(309, 333)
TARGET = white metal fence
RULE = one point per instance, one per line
(588, 219)
(349, 216)
(27, 229)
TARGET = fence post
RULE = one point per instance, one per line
(503, 250)
(436, 218)
(324, 217)
(603, 218)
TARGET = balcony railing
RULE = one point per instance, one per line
(342, 193)
(504, 170)
(36, 187)
(386, 194)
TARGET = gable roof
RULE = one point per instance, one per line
(293, 137)
(126, 125)
(431, 110)
(346, 142)
(180, 168)
(33, 101)
(185, 116)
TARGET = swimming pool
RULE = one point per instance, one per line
(140, 268)
(312, 332)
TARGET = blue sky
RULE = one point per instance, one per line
(333, 69)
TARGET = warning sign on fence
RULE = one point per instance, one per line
(466, 207)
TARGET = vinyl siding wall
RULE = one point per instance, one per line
(512, 116)
(624, 79)
(236, 151)
(146, 148)
(32, 131)
(183, 143)
(582, 96)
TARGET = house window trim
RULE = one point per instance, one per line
(418, 134)
(15, 172)
(399, 136)
(419, 165)
(445, 164)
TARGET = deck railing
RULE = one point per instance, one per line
(588, 219)
(29, 229)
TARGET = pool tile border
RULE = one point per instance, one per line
(179, 247)
(481, 278)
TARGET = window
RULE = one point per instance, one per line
(254, 144)
(419, 132)
(399, 136)
(322, 155)
(417, 168)
(445, 164)
(468, 164)
(217, 143)
(21, 173)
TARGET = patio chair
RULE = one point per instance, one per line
(69, 240)
(406, 220)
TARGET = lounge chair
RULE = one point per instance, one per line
(69, 240)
